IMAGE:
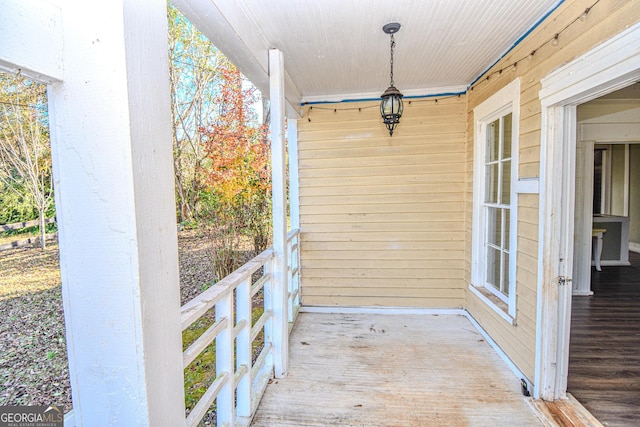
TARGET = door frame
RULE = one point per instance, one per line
(609, 66)
(583, 218)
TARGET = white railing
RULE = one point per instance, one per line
(240, 381)
(293, 246)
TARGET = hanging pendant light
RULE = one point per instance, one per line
(391, 106)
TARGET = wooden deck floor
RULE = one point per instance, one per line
(604, 357)
(393, 370)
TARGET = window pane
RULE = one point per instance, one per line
(493, 141)
(494, 226)
(506, 183)
(598, 156)
(493, 267)
(497, 203)
(491, 183)
(505, 274)
(507, 225)
(506, 132)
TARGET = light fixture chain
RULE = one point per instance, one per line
(393, 44)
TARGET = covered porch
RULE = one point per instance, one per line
(373, 313)
(351, 368)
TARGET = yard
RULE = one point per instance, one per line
(33, 357)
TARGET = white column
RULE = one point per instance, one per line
(278, 170)
(111, 126)
(294, 185)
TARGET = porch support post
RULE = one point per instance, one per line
(279, 194)
(294, 183)
(111, 144)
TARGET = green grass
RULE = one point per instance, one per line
(200, 373)
(258, 343)
(25, 233)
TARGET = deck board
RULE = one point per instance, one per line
(392, 370)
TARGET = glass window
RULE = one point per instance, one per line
(495, 200)
(497, 203)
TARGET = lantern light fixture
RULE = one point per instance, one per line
(391, 106)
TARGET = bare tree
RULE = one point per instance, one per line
(25, 151)
(194, 74)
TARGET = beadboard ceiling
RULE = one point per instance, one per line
(336, 50)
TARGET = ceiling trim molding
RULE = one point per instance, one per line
(375, 96)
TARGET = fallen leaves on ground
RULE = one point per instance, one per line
(33, 352)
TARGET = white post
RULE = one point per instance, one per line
(278, 165)
(294, 185)
(111, 143)
(294, 212)
(225, 403)
(243, 347)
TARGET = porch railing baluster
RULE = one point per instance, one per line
(243, 343)
(224, 360)
(293, 245)
(239, 383)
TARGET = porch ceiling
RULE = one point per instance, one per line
(336, 50)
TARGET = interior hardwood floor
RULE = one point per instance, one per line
(604, 357)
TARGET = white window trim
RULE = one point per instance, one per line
(505, 101)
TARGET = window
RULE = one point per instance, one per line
(496, 206)
(599, 155)
(495, 200)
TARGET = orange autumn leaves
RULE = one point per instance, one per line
(239, 172)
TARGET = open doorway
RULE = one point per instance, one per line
(607, 185)
(604, 361)
(608, 67)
